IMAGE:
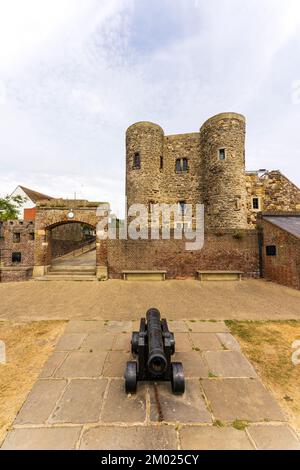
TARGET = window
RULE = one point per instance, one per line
(255, 204)
(222, 154)
(182, 207)
(16, 237)
(181, 165)
(31, 236)
(136, 161)
(161, 164)
(271, 250)
(16, 257)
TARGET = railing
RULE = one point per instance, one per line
(79, 250)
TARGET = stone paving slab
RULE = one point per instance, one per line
(205, 341)
(119, 407)
(213, 438)
(81, 402)
(207, 326)
(40, 401)
(130, 438)
(115, 364)
(268, 437)
(100, 341)
(82, 364)
(242, 399)
(194, 365)
(229, 364)
(228, 341)
(80, 398)
(54, 361)
(187, 408)
(62, 438)
(70, 341)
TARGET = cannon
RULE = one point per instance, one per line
(153, 345)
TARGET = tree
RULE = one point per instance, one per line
(9, 207)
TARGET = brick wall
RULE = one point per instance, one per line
(220, 252)
(11, 242)
(284, 268)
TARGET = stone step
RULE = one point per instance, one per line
(72, 277)
(65, 267)
(91, 272)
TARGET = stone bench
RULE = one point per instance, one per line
(142, 275)
(219, 275)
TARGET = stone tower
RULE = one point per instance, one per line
(144, 151)
(222, 148)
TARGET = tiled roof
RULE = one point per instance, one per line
(289, 223)
(34, 195)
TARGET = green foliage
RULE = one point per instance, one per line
(9, 207)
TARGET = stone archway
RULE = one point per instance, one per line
(50, 214)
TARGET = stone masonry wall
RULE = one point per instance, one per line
(223, 251)
(275, 192)
(9, 243)
(284, 268)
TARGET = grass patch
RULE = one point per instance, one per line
(218, 423)
(268, 345)
(239, 424)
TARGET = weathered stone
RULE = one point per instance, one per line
(187, 408)
(229, 364)
(183, 342)
(268, 437)
(98, 342)
(54, 361)
(213, 438)
(70, 341)
(82, 364)
(42, 439)
(178, 326)
(84, 326)
(228, 341)
(205, 341)
(242, 399)
(122, 342)
(115, 363)
(81, 402)
(193, 364)
(129, 438)
(118, 326)
(207, 326)
(119, 407)
(41, 401)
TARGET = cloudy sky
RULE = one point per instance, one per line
(75, 74)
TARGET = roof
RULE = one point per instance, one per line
(289, 223)
(34, 195)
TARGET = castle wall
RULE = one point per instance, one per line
(223, 251)
(275, 192)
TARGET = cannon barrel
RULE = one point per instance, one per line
(157, 361)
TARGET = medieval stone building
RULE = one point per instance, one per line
(205, 167)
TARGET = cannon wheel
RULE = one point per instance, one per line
(131, 377)
(135, 342)
(177, 378)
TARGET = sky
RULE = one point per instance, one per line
(74, 75)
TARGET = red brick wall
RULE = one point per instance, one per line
(29, 214)
(283, 268)
(25, 245)
(220, 252)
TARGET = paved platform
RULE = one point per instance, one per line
(115, 300)
(79, 401)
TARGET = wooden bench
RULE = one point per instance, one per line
(219, 275)
(142, 275)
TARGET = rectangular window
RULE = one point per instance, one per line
(16, 257)
(271, 250)
(184, 164)
(222, 154)
(161, 164)
(136, 161)
(16, 237)
(181, 165)
(255, 203)
(182, 207)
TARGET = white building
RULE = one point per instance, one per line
(31, 198)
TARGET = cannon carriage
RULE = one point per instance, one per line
(153, 345)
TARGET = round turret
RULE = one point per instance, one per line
(144, 151)
(222, 144)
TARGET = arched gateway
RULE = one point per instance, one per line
(54, 213)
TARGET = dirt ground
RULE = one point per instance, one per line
(28, 345)
(268, 345)
(129, 300)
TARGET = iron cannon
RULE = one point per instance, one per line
(153, 345)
